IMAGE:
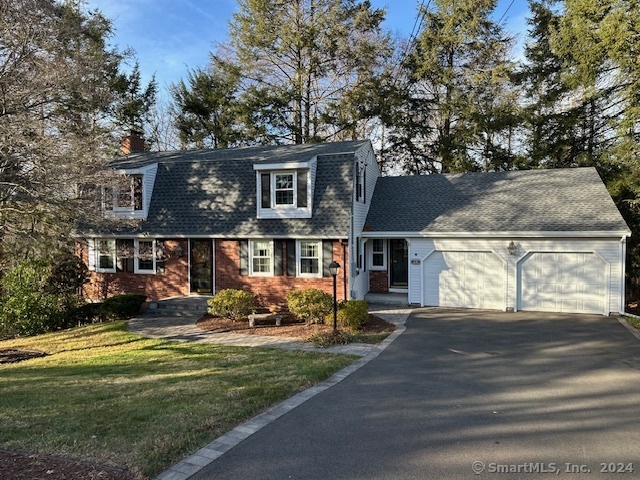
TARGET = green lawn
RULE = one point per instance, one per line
(106, 395)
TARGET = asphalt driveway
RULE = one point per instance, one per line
(463, 392)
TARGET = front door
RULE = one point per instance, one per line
(201, 266)
(399, 260)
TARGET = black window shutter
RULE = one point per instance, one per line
(277, 258)
(265, 186)
(244, 257)
(364, 183)
(291, 258)
(358, 185)
(302, 188)
(327, 257)
(358, 254)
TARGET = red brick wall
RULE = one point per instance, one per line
(378, 281)
(270, 290)
(173, 282)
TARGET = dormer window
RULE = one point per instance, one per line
(285, 190)
(128, 197)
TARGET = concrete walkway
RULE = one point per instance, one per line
(180, 326)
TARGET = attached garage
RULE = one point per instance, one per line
(570, 282)
(542, 240)
(464, 279)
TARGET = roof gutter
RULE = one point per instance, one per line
(512, 234)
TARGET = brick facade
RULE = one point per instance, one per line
(172, 283)
(379, 281)
(270, 290)
(175, 279)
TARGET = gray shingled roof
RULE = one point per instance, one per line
(572, 199)
(213, 192)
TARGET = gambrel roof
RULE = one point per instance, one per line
(213, 192)
(553, 200)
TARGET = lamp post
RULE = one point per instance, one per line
(334, 268)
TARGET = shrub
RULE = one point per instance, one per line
(123, 306)
(231, 303)
(328, 339)
(84, 315)
(353, 314)
(311, 304)
(27, 307)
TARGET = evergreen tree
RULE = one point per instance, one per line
(208, 115)
(302, 63)
(455, 104)
(134, 103)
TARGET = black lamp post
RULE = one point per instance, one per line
(334, 268)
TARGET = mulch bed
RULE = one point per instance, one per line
(13, 355)
(290, 327)
(23, 466)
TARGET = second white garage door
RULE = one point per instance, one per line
(562, 282)
(464, 279)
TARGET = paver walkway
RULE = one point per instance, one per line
(182, 328)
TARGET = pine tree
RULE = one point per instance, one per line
(455, 102)
(301, 65)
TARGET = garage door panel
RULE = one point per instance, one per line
(562, 282)
(464, 279)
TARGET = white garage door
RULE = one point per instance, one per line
(464, 279)
(562, 282)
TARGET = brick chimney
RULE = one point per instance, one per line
(132, 143)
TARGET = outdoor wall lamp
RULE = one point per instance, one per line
(512, 248)
(179, 250)
(334, 268)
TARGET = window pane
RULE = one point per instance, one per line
(308, 265)
(378, 245)
(378, 260)
(145, 264)
(284, 197)
(284, 181)
(106, 261)
(261, 265)
(261, 249)
(308, 249)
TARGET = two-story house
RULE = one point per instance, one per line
(266, 219)
(271, 219)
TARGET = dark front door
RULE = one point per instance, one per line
(399, 256)
(201, 266)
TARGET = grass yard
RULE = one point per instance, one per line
(106, 395)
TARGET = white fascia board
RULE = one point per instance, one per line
(553, 234)
(283, 165)
(136, 171)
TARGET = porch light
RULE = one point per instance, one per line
(511, 248)
(334, 268)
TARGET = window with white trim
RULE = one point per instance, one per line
(126, 197)
(378, 255)
(309, 253)
(145, 258)
(106, 255)
(261, 253)
(284, 188)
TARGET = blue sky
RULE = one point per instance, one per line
(170, 37)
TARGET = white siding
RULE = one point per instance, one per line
(608, 249)
(359, 281)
